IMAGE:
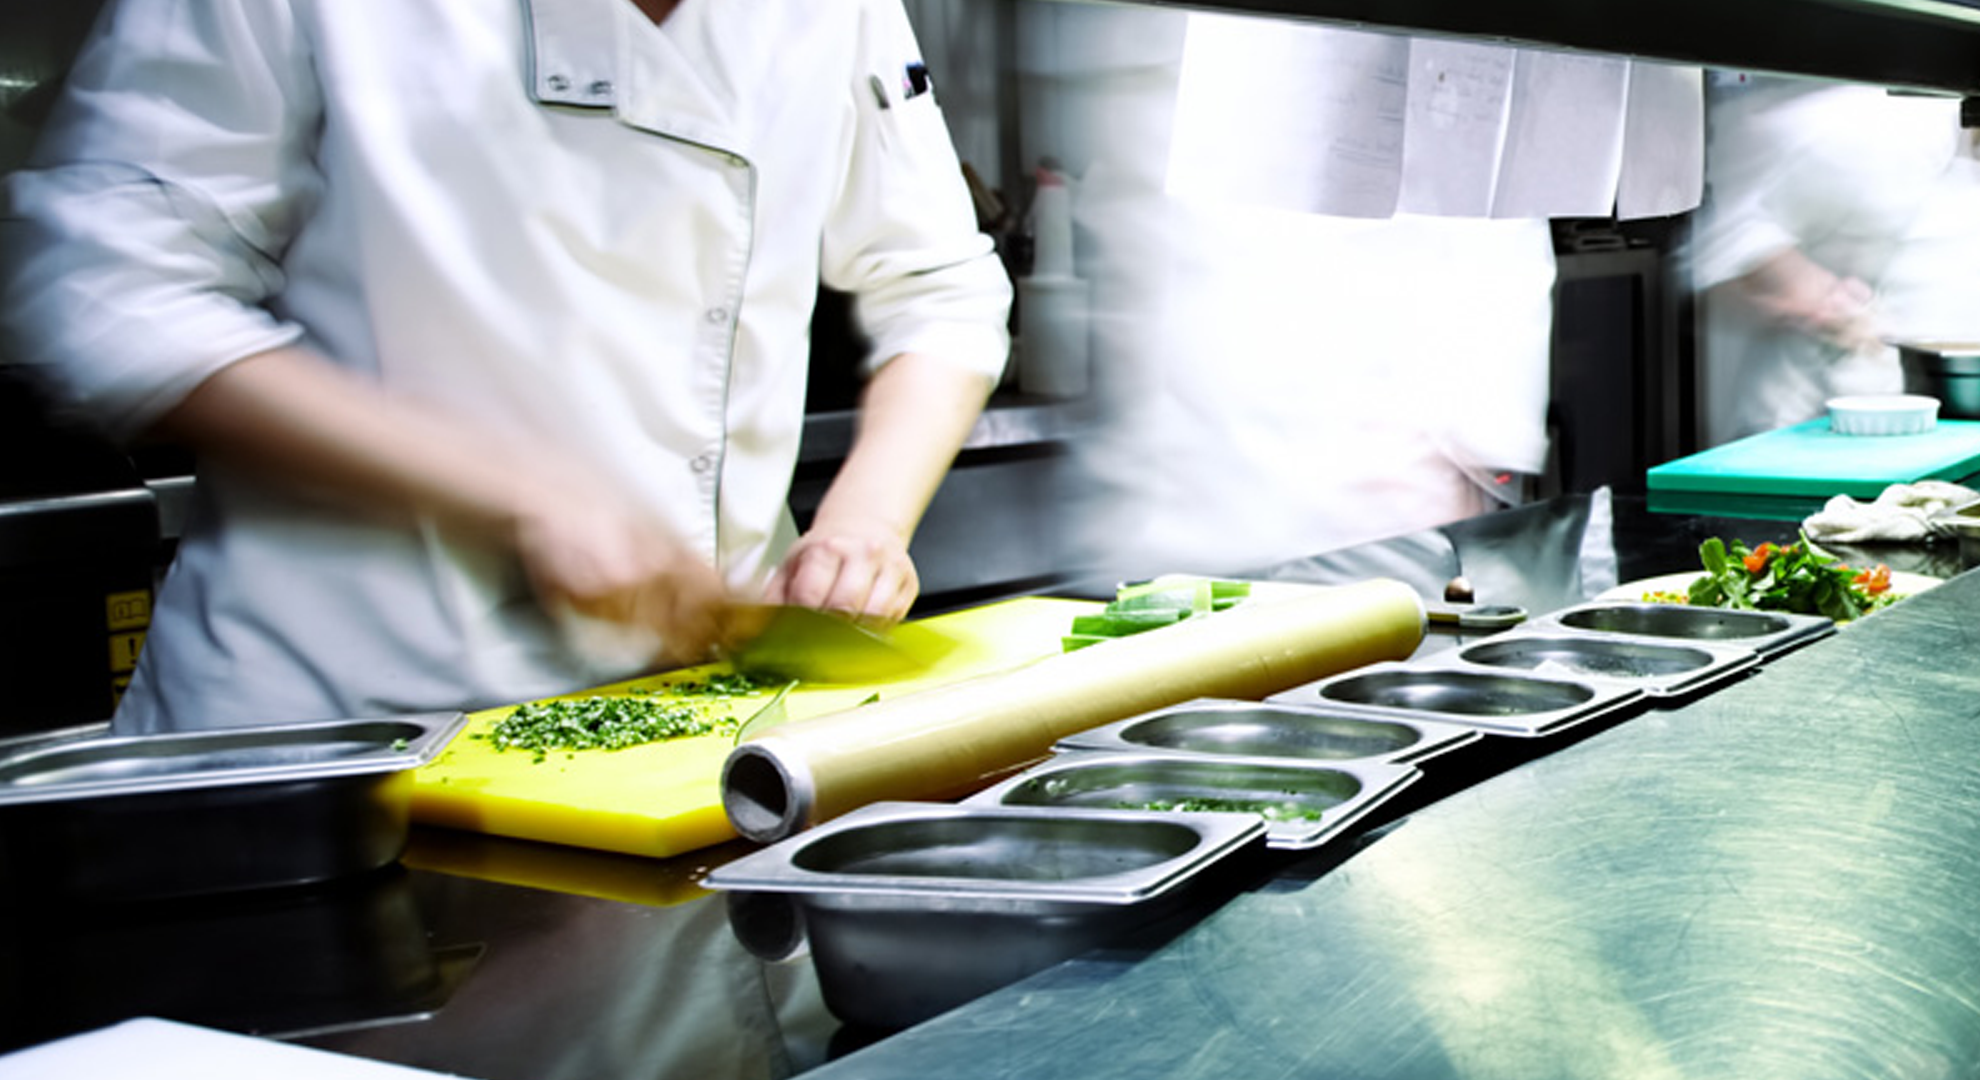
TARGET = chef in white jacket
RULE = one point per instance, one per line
(1837, 218)
(488, 320)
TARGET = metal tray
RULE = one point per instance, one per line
(1274, 729)
(1963, 521)
(913, 908)
(1662, 667)
(1768, 633)
(1304, 804)
(139, 817)
(1489, 699)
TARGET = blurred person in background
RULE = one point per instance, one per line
(1270, 384)
(1837, 219)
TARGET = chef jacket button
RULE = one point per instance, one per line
(600, 87)
(716, 315)
(558, 83)
(701, 463)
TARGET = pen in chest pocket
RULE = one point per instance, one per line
(915, 81)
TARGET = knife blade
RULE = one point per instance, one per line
(783, 641)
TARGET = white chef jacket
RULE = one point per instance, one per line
(1867, 184)
(549, 215)
(1277, 383)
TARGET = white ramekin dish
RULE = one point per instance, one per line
(1883, 414)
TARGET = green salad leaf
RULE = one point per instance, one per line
(1799, 577)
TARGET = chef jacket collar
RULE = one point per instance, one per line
(606, 54)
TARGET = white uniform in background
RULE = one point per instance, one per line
(1866, 184)
(1275, 384)
(1309, 382)
(551, 215)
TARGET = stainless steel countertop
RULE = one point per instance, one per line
(1773, 880)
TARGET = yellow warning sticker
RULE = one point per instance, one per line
(128, 610)
(124, 650)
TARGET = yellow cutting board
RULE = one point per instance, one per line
(663, 799)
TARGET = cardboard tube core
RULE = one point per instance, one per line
(763, 799)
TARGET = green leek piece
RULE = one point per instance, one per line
(1071, 642)
(1147, 605)
(1122, 623)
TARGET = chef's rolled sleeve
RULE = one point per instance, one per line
(124, 294)
(139, 249)
(903, 238)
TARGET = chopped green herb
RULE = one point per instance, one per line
(732, 684)
(612, 722)
(1270, 811)
(599, 723)
(399, 745)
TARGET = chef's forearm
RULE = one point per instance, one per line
(914, 416)
(290, 415)
(1791, 288)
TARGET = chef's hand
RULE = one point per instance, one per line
(302, 422)
(1793, 289)
(849, 565)
(626, 570)
(914, 414)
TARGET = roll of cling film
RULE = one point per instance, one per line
(952, 740)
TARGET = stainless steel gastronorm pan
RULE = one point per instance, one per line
(137, 817)
(1304, 804)
(1765, 632)
(1662, 667)
(913, 908)
(1274, 729)
(1491, 700)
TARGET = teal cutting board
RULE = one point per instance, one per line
(1789, 473)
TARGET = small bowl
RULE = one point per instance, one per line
(1883, 414)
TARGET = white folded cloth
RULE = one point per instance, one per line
(1900, 513)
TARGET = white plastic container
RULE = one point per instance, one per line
(1883, 414)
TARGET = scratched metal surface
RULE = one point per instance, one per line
(1779, 880)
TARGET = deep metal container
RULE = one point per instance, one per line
(1274, 729)
(1768, 633)
(1963, 521)
(1661, 667)
(112, 818)
(1304, 804)
(1490, 700)
(1949, 371)
(913, 908)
